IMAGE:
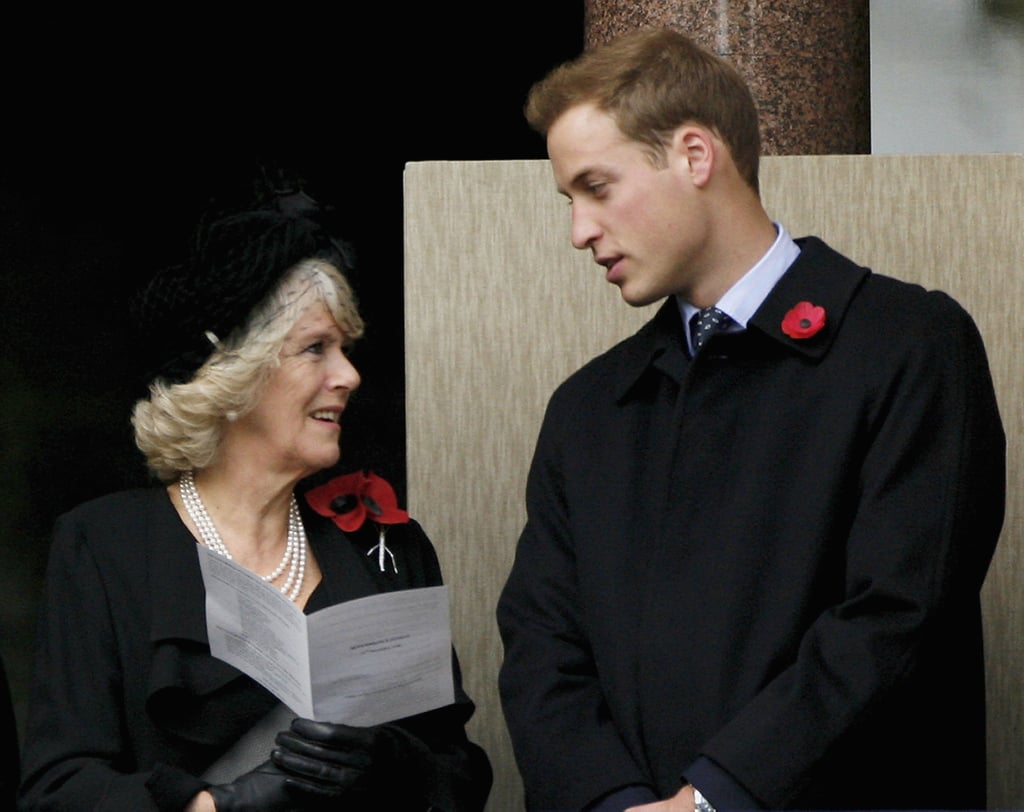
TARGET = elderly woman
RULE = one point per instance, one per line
(250, 379)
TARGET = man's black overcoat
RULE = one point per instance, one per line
(770, 556)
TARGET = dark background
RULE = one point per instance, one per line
(116, 133)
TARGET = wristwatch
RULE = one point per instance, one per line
(700, 803)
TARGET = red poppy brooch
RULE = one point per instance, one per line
(350, 499)
(804, 320)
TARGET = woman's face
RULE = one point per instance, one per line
(296, 425)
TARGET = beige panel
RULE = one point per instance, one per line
(500, 308)
(489, 280)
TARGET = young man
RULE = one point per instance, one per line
(751, 568)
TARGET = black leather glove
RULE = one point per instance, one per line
(262, 788)
(327, 762)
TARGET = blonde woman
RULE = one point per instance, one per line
(248, 386)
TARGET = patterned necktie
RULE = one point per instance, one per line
(704, 323)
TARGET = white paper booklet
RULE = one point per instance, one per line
(362, 662)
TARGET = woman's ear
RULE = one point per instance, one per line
(697, 149)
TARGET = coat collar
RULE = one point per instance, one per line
(186, 689)
(819, 275)
(190, 693)
(179, 610)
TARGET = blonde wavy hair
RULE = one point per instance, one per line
(178, 427)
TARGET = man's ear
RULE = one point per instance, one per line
(696, 147)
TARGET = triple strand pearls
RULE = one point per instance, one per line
(294, 558)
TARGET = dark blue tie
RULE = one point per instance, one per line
(704, 323)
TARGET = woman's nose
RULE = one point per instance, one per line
(343, 373)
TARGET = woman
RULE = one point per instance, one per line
(248, 383)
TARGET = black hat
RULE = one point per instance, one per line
(236, 262)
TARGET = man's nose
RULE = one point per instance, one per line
(585, 229)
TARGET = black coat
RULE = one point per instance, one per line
(10, 765)
(128, 706)
(770, 557)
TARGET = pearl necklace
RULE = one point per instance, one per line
(294, 558)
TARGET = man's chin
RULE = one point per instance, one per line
(636, 298)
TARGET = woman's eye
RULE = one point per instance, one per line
(317, 348)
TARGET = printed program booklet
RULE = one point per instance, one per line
(363, 662)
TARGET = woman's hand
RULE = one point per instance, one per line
(263, 788)
(327, 762)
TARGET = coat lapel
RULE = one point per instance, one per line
(820, 276)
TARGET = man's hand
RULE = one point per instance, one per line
(203, 802)
(682, 801)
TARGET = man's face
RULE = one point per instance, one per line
(641, 221)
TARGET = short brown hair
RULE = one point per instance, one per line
(652, 82)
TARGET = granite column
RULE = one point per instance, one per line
(807, 61)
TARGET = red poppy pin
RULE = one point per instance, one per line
(350, 499)
(804, 320)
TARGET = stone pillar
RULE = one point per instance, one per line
(807, 61)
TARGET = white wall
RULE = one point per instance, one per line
(947, 76)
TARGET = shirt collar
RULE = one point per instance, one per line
(819, 275)
(743, 299)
